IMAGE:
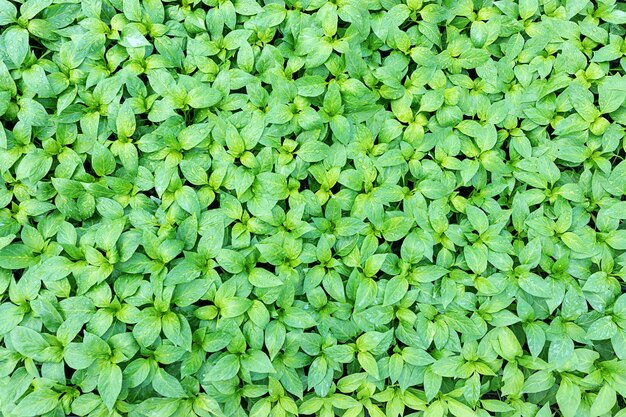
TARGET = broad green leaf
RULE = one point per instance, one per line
(109, 384)
(38, 402)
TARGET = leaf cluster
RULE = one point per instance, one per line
(312, 207)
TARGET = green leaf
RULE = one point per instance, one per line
(538, 382)
(368, 363)
(476, 257)
(34, 166)
(8, 12)
(603, 328)
(28, 342)
(32, 112)
(177, 330)
(225, 368)
(125, 121)
(234, 307)
(394, 291)
(604, 402)
(395, 228)
(257, 361)
(16, 256)
(477, 218)
(527, 8)
(102, 161)
(568, 397)
(193, 135)
(313, 151)
(167, 385)
(16, 41)
(203, 96)
(262, 278)
(310, 85)
(428, 273)
(38, 402)
(272, 185)
(147, 330)
(109, 384)
(459, 409)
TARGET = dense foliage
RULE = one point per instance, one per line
(231, 208)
